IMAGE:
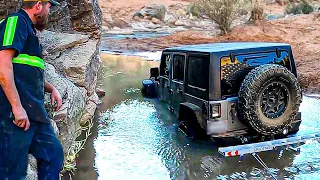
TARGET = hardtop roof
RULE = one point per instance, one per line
(229, 46)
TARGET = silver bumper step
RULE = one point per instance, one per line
(254, 148)
(265, 146)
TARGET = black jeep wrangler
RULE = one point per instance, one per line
(230, 89)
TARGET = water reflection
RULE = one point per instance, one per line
(138, 138)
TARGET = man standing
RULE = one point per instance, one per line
(24, 124)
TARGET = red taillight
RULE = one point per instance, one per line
(215, 110)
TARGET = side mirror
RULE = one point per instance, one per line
(154, 73)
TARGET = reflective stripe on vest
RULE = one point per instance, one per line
(10, 31)
(29, 60)
(1, 21)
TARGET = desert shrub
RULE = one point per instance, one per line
(257, 13)
(193, 10)
(299, 8)
(222, 12)
(160, 12)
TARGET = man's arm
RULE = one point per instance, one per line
(55, 96)
(48, 87)
(8, 85)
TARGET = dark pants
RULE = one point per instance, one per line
(40, 141)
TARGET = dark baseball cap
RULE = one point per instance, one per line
(53, 2)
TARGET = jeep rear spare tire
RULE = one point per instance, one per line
(269, 99)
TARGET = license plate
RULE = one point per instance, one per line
(260, 149)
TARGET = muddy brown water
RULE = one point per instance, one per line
(137, 138)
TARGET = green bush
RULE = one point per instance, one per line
(193, 10)
(301, 8)
(222, 12)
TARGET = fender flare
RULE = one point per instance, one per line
(196, 111)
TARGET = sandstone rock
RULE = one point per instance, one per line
(80, 15)
(8, 7)
(88, 113)
(181, 13)
(68, 117)
(137, 15)
(118, 22)
(179, 23)
(80, 64)
(116, 28)
(169, 19)
(136, 18)
(107, 17)
(95, 98)
(153, 10)
(147, 17)
(139, 26)
(151, 25)
(54, 44)
(86, 16)
(55, 127)
(280, 2)
(105, 28)
(32, 169)
(60, 19)
(155, 21)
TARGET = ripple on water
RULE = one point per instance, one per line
(138, 141)
(132, 140)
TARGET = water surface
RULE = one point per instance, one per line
(137, 138)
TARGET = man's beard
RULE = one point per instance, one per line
(42, 21)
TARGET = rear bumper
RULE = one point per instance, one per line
(219, 129)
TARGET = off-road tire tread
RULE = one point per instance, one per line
(252, 82)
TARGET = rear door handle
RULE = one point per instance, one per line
(179, 91)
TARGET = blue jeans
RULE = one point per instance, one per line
(40, 141)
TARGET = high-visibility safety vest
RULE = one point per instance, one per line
(9, 34)
(18, 32)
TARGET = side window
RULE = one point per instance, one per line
(198, 72)
(164, 65)
(178, 67)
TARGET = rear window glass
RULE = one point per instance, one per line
(232, 74)
(198, 72)
(198, 76)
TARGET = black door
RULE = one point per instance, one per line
(177, 82)
(164, 78)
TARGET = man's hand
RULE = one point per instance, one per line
(8, 85)
(21, 118)
(55, 97)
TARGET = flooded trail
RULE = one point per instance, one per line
(138, 138)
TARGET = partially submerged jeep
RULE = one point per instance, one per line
(229, 89)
